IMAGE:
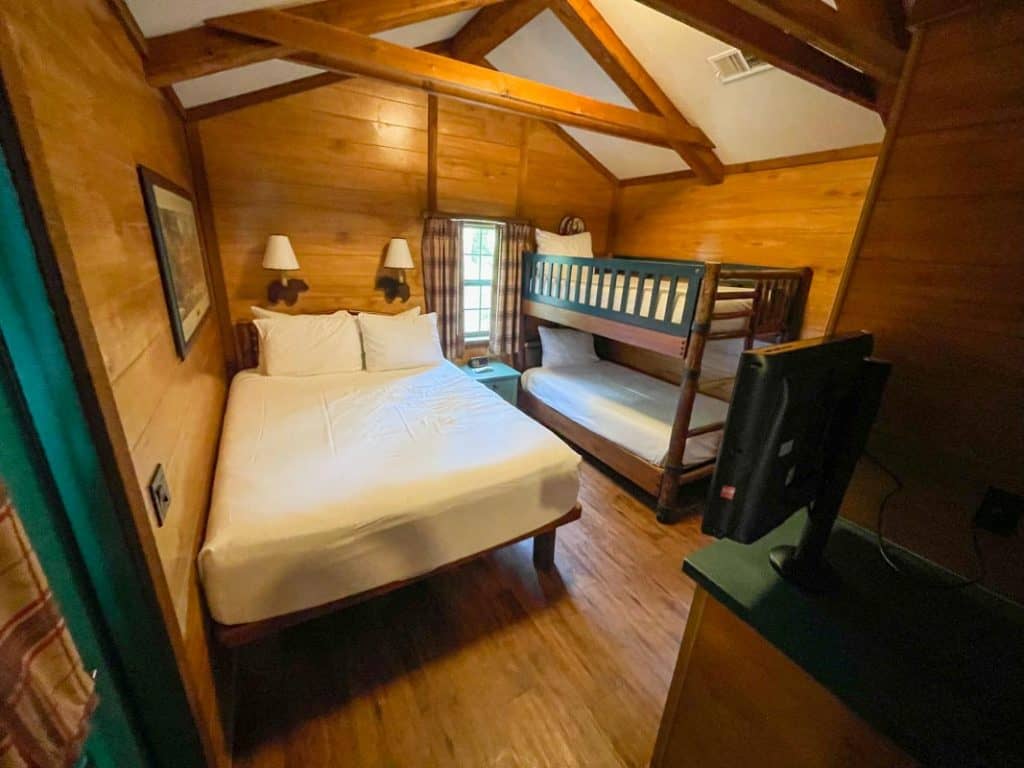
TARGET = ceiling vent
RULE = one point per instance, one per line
(733, 64)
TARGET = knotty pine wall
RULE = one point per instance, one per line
(939, 278)
(802, 216)
(87, 117)
(344, 168)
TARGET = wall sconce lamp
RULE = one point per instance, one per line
(280, 256)
(398, 258)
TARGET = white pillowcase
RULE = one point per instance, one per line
(305, 345)
(414, 312)
(560, 347)
(551, 244)
(268, 314)
(394, 342)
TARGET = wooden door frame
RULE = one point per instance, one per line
(48, 363)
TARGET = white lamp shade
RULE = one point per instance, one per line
(279, 254)
(398, 256)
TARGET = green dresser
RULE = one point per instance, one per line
(499, 377)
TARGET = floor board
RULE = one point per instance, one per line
(490, 664)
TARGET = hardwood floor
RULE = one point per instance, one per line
(492, 664)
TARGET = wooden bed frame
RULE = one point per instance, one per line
(236, 635)
(557, 291)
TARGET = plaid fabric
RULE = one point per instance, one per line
(46, 696)
(442, 279)
(507, 292)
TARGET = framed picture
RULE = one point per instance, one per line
(179, 252)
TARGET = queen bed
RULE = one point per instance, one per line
(334, 487)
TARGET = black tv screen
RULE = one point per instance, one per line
(791, 408)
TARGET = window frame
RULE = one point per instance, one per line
(479, 337)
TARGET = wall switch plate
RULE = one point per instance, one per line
(1000, 512)
(160, 493)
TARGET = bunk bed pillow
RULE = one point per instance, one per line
(580, 246)
(391, 343)
(561, 347)
(306, 345)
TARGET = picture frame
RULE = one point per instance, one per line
(174, 225)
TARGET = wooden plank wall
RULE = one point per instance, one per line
(802, 216)
(343, 169)
(939, 278)
(92, 118)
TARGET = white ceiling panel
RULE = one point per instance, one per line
(770, 114)
(627, 159)
(430, 31)
(545, 51)
(233, 82)
(158, 17)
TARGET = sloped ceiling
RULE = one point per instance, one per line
(767, 115)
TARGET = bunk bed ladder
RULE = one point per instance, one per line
(699, 331)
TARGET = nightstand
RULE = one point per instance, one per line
(498, 377)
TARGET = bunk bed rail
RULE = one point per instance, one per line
(657, 296)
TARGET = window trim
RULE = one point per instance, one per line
(478, 337)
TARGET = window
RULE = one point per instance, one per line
(479, 248)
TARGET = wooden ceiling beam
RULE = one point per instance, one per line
(589, 27)
(492, 26)
(205, 51)
(341, 50)
(747, 32)
(834, 32)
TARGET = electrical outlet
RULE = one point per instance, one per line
(1000, 512)
(160, 493)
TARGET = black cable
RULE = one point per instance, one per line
(889, 557)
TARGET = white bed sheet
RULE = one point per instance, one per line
(330, 485)
(627, 407)
(568, 288)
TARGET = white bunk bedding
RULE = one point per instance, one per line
(331, 485)
(629, 408)
(569, 284)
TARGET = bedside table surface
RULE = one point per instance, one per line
(497, 372)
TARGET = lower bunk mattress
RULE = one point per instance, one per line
(627, 407)
(332, 485)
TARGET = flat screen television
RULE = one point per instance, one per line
(799, 420)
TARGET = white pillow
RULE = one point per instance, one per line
(268, 314)
(551, 244)
(410, 343)
(304, 345)
(414, 312)
(563, 346)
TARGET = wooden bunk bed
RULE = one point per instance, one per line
(667, 307)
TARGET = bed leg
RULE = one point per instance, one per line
(544, 551)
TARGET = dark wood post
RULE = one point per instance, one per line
(669, 492)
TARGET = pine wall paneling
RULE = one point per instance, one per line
(344, 168)
(802, 216)
(939, 279)
(93, 119)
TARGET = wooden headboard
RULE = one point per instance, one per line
(247, 340)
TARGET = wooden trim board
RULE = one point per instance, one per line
(856, 152)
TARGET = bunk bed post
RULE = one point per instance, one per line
(669, 491)
(795, 320)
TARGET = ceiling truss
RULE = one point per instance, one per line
(854, 51)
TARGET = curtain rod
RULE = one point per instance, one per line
(475, 217)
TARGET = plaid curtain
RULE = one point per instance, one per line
(507, 292)
(46, 696)
(442, 279)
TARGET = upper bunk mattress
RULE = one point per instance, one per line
(629, 408)
(331, 485)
